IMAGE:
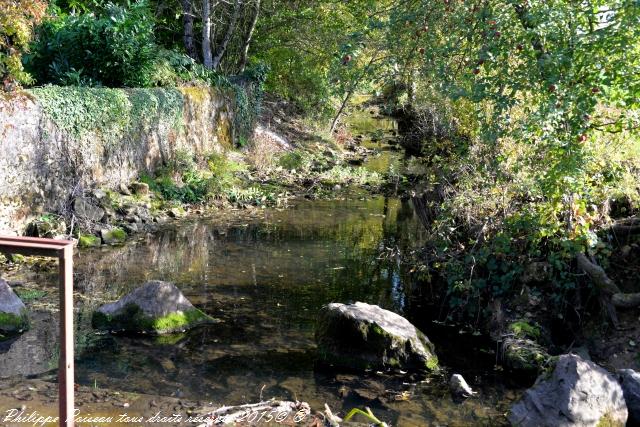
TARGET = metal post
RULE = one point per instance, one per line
(63, 250)
(65, 369)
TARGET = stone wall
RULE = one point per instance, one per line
(56, 143)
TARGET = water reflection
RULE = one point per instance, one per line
(265, 279)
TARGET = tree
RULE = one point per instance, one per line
(188, 37)
(244, 49)
(221, 48)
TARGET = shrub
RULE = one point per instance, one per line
(17, 19)
(115, 48)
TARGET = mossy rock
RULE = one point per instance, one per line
(524, 357)
(114, 236)
(13, 313)
(362, 336)
(154, 308)
(89, 241)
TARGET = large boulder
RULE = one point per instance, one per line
(13, 313)
(155, 307)
(363, 336)
(630, 382)
(575, 393)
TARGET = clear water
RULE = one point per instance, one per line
(265, 276)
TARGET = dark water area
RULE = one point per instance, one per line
(265, 276)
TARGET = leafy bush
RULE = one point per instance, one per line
(17, 19)
(115, 48)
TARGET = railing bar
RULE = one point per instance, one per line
(40, 240)
(29, 245)
(63, 250)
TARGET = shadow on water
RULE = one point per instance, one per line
(266, 279)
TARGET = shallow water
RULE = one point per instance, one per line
(265, 276)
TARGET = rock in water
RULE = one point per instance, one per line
(630, 382)
(577, 393)
(459, 386)
(13, 313)
(363, 336)
(155, 307)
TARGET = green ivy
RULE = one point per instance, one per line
(112, 114)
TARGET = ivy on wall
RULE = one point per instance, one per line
(110, 113)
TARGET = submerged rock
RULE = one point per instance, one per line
(576, 393)
(459, 387)
(13, 313)
(155, 307)
(363, 336)
(33, 352)
(630, 382)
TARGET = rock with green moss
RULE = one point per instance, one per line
(362, 336)
(113, 237)
(524, 357)
(522, 352)
(155, 308)
(89, 241)
(13, 313)
(575, 392)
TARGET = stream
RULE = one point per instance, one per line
(265, 275)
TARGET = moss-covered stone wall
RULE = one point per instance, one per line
(56, 142)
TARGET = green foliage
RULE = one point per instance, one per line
(247, 101)
(292, 160)
(30, 294)
(186, 182)
(547, 93)
(115, 48)
(113, 114)
(17, 20)
(522, 329)
(340, 174)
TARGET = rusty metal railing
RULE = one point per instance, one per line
(63, 250)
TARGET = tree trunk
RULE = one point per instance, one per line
(605, 285)
(222, 47)
(353, 88)
(187, 23)
(244, 51)
(345, 101)
(206, 34)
